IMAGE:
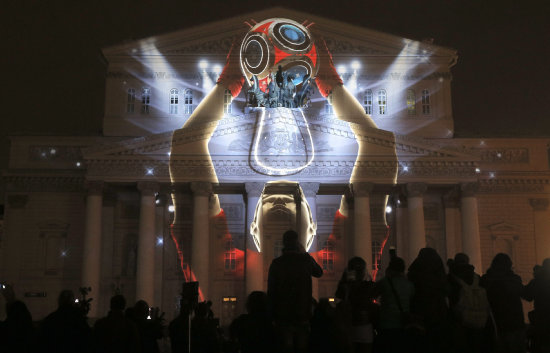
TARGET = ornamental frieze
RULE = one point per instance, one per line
(504, 155)
(55, 153)
(45, 183)
(512, 185)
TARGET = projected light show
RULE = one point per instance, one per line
(219, 139)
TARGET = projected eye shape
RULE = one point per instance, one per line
(291, 36)
(255, 54)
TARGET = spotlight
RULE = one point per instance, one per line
(160, 240)
(499, 155)
(478, 170)
(53, 151)
(342, 69)
(355, 65)
(405, 168)
(150, 171)
(168, 153)
(64, 253)
(78, 164)
(76, 301)
(388, 209)
(203, 64)
(171, 208)
(217, 69)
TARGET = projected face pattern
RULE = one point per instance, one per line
(278, 42)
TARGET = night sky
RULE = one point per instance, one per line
(53, 79)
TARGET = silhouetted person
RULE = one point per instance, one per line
(149, 330)
(323, 337)
(204, 332)
(538, 290)
(396, 293)
(466, 337)
(289, 292)
(17, 333)
(66, 329)
(253, 331)
(360, 293)
(116, 333)
(504, 290)
(431, 289)
(179, 330)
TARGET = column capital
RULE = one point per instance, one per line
(539, 204)
(201, 188)
(147, 187)
(361, 188)
(468, 189)
(416, 189)
(310, 189)
(254, 189)
(94, 187)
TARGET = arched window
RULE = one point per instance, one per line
(130, 100)
(227, 98)
(188, 102)
(425, 102)
(145, 100)
(328, 105)
(367, 102)
(411, 102)
(327, 256)
(382, 103)
(174, 100)
(229, 256)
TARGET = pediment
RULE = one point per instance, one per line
(217, 37)
(503, 228)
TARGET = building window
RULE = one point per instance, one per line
(145, 100)
(174, 100)
(367, 102)
(188, 102)
(277, 248)
(411, 102)
(227, 97)
(230, 262)
(376, 256)
(328, 105)
(425, 102)
(327, 256)
(382, 103)
(130, 100)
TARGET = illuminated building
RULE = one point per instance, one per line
(100, 209)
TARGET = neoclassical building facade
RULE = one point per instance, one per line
(123, 213)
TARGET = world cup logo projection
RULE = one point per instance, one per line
(278, 42)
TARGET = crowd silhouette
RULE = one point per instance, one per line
(424, 308)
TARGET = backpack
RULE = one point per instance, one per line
(472, 307)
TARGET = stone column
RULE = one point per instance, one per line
(145, 272)
(91, 254)
(254, 276)
(470, 224)
(362, 235)
(200, 241)
(452, 222)
(417, 230)
(401, 231)
(541, 217)
(310, 192)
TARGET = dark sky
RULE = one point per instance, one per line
(54, 79)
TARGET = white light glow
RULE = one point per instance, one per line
(355, 65)
(405, 168)
(160, 240)
(53, 151)
(64, 253)
(217, 69)
(478, 170)
(150, 171)
(78, 164)
(342, 69)
(491, 174)
(157, 201)
(76, 301)
(203, 64)
(388, 209)
(171, 208)
(282, 171)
